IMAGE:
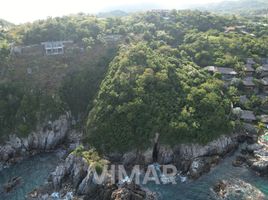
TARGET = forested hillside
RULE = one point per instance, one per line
(131, 77)
(153, 90)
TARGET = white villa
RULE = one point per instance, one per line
(55, 47)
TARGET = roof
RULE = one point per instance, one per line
(250, 61)
(248, 81)
(248, 115)
(225, 70)
(211, 69)
(264, 60)
(262, 96)
(243, 99)
(264, 68)
(264, 81)
(55, 44)
(222, 70)
(264, 118)
(249, 68)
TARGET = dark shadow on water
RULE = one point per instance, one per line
(33, 171)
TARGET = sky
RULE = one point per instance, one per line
(21, 11)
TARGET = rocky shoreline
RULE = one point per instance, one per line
(192, 160)
(74, 177)
(254, 156)
(45, 139)
(236, 189)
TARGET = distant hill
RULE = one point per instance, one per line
(114, 13)
(236, 6)
(5, 24)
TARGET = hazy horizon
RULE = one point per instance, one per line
(18, 11)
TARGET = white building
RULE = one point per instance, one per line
(55, 47)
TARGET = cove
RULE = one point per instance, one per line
(34, 171)
(201, 189)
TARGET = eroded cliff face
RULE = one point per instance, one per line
(76, 176)
(255, 156)
(193, 159)
(44, 139)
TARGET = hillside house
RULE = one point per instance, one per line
(243, 100)
(250, 61)
(264, 83)
(248, 116)
(229, 29)
(45, 48)
(249, 70)
(248, 84)
(264, 119)
(264, 106)
(227, 73)
(264, 61)
(53, 48)
(112, 38)
(264, 70)
(162, 12)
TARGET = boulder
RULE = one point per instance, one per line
(260, 166)
(239, 161)
(132, 191)
(236, 189)
(87, 185)
(58, 175)
(253, 147)
(14, 142)
(6, 152)
(202, 165)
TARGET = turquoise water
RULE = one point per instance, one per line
(34, 172)
(201, 188)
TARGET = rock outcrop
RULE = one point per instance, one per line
(193, 159)
(202, 165)
(132, 191)
(236, 189)
(254, 156)
(196, 159)
(44, 139)
(74, 168)
(75, 176)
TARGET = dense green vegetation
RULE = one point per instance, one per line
(56, 86)
(92, 158)
(22, 109)
(148, 91)
(156, 83)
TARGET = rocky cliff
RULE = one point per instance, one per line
(75, 176)
(194, 159)
(46, 138)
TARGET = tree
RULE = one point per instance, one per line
(146, 92)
